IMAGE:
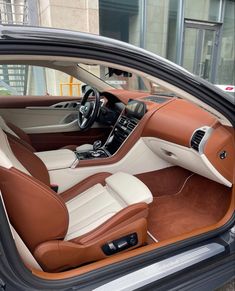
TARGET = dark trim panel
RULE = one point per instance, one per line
(53, 141)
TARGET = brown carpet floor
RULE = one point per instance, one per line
(193, 204)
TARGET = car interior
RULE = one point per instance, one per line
(104, 163)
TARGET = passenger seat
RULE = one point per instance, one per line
(101, 216)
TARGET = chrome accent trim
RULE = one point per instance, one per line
(164, 268)
(152, 237)
(74, 164)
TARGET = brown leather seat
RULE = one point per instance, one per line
(50, 224)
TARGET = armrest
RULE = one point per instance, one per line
(57, 159)
(129, 188)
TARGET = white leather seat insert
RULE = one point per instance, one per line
(99, 203)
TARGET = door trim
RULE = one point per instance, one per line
(164, 268)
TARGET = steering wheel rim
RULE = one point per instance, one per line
(88, 110)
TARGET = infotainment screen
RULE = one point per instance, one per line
(135, 108)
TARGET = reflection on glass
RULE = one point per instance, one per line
(202, 9)
(199, 49)
(226, 67)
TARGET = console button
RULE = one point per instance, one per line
(122, 244)
(133, 240)
(112, 247)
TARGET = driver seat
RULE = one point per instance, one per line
(94, 219)
(18, 134)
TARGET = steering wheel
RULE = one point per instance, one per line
(88, 110)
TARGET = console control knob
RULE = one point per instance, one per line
(95, 154)
(97, 144)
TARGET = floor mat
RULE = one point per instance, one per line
(166, 181)
(200, 203)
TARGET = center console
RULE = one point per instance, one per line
(92, 154)
(124, 126)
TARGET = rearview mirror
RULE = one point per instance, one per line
(119, 73)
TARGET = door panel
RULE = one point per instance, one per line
(12, 101)
(54, 126)
(51, 141)
(34, 101)
(28, 118)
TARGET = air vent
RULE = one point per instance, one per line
(197, 138)
(66, 105)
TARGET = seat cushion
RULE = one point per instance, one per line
(99, 203)
(90, 209)
(129, 188)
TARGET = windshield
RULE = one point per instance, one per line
(125, 80)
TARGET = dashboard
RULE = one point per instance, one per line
(179, 132)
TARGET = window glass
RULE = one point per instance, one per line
(125, 80)
(171, 30)
(38, 81)
(226, 67)
(34, 80)
(202, 9)
(156, 26)
(120, 19)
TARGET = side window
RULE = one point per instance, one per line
(25, 80)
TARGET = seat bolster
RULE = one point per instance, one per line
(58, 255)
(84, 185)
(30, 161)
(19, 132)
(21, 141)
(125, 216)
(35, 211)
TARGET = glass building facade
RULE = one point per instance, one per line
(198, 35)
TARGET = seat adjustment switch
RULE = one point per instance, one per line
(120, 244)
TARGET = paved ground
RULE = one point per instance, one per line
(228, 287)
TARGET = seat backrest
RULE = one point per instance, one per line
(31, 162)
(6, 128)
(35, 211)
(16, 133)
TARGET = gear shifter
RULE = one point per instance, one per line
(97, 145)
